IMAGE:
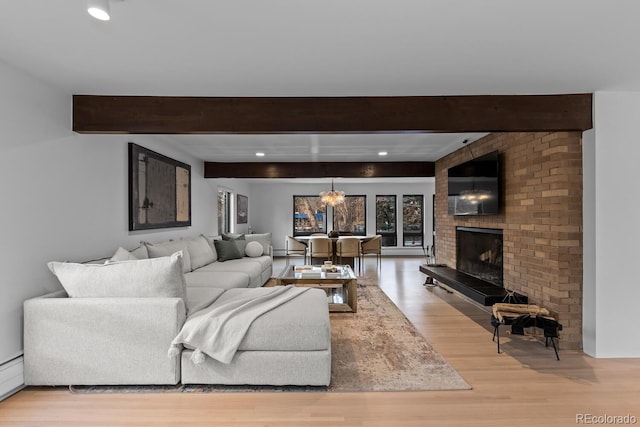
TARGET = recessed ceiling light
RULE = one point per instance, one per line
(382, 153)
(99, 9)
(259, 154)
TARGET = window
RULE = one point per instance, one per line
(309, 215)
(351, 216)
(224, 211)
(386, 220)
(412, 220)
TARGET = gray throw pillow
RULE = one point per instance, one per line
(232, 236)
(154, 277)
(227, 250)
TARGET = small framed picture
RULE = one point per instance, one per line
(242, 209)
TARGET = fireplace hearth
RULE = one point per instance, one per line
(479, 253)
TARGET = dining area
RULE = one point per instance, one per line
(342, 249)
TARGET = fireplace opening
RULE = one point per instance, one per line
(479, 253)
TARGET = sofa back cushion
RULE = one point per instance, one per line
(123, 255)
(157, 250)
(154, 277)
(200, 252)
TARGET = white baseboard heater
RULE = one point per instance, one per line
(11, 377)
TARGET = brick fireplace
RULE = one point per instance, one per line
(540, 218)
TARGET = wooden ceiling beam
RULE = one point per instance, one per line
(268, 115)
(319, 170)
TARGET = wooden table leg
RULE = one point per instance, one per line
(352, 291)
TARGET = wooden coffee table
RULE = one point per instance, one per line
(336, 285)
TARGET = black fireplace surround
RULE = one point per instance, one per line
(479, 253)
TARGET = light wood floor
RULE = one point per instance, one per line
(525, 386)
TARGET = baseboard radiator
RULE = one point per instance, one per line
(11, 377)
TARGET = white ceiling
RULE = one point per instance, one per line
(326, 48)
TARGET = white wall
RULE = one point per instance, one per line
(64, 195)
(271, 207)
(614, 231)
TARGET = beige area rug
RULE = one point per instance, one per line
(378, 349)
(375, 349)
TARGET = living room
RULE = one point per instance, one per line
(65, 199)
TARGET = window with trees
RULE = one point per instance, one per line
(351, 216)
(309, 215)
(386, 220)
(412, 220)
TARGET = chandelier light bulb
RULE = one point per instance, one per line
(99, 9)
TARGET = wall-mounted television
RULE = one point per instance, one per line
(474, 186)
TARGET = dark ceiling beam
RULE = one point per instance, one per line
(250, 115)
(319, 170)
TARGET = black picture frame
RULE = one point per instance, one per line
(159, 190)
(242, 209)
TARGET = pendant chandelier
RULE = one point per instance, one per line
(332, 197)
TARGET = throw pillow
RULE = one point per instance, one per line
(227, 250)
(253, 249)
(168, 248)
(241, 244)
(122, 255)
(200, 252)
(140, 252)
(232, 236)
(263, 238)
(155, 277)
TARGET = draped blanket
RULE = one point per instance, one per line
(218, 329)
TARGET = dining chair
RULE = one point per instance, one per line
(295, 247)
(320, 247)
(349, 247)
(372, 246)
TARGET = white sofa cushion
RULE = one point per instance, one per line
(200, 252)
(155, 277)
(167, 248)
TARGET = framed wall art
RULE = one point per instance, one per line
(242, 209)
(159, 190)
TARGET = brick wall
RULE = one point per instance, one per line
(541, 215)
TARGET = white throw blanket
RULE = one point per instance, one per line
(218, 329)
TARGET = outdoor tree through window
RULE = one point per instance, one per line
(412, 220)
(351, 216)
(309, 215)
(386, 220)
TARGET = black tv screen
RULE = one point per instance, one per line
(474, 186)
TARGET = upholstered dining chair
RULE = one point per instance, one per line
(320, 247)
(348, 247)
(295, 247)
(372, 246)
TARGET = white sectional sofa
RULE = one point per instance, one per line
(84, 335)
